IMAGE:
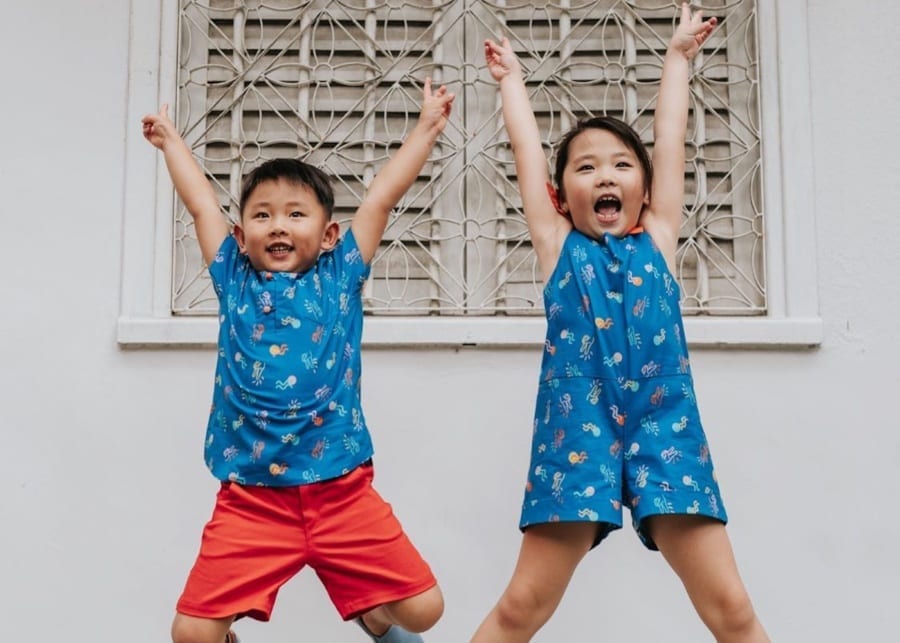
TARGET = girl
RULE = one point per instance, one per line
(616, 421)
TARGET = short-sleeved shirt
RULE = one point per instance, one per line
(286, 401)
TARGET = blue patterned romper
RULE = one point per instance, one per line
(616, 421)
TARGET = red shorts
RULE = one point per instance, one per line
(260, 537)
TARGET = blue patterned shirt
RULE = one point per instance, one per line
(286, 402)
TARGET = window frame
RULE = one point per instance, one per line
(792, 320)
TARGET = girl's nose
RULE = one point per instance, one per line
(604, 179)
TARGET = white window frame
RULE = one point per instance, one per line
(792, 319)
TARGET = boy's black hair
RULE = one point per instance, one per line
(618, 128)
(294, 171)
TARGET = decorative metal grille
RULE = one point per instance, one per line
(339, 84)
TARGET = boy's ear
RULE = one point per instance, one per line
(330, 237)
(238, 233)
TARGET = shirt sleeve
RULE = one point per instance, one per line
(349, 259)
(225, 265)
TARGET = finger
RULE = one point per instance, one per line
(506, 44)
(447, 107)
(164, 110)
(427, 89)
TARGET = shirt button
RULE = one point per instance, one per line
(269, 276)
(267, 309)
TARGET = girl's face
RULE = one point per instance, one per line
(603, 185)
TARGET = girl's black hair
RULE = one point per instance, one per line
(293, 171)
(622, 130)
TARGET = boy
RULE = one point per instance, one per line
(286, 434)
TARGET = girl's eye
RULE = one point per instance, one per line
(583, 168)
(623, 164)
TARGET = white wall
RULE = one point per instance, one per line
(103, 492)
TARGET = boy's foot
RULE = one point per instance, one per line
(395, 634)
(231, 637)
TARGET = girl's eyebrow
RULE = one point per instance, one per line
(592, 155)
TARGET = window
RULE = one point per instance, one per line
(339, 84)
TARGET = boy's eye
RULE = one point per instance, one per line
(295, 214)
(261, 215)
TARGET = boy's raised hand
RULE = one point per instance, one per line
(159, 128)
(436, 108)
(692, 32)
(501, 60)
(189, 180)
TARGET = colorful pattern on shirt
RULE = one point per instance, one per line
(616, 420)
(286, 403)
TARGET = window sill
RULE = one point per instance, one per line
(382, 332)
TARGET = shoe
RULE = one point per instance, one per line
(395, 634)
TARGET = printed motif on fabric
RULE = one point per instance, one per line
(616, 420)
(286, 402)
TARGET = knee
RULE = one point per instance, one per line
(521, 606)
(423, 612)
(730, 614)
(186, 633)
(197, 631)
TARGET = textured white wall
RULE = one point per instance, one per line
(103, 491)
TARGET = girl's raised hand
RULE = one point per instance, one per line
(501, 60)
(692, 32)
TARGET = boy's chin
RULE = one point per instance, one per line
(267, 264)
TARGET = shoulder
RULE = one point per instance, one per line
(227, 262)
(663, 236)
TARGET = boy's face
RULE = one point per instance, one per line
(603, 184)
(284, 228)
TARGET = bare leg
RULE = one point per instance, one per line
(190, 629)
(415, 614)
(699, 551)
(547, 559)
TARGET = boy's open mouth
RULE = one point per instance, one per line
(279, 250)
(607, 208)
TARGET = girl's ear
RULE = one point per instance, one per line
(238, 233)
(330, 237)
(561, 208)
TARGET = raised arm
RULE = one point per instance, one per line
(190, 183)
(662, 218)
(396, 177)
(545, 225)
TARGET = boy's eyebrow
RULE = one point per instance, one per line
(265, 204)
